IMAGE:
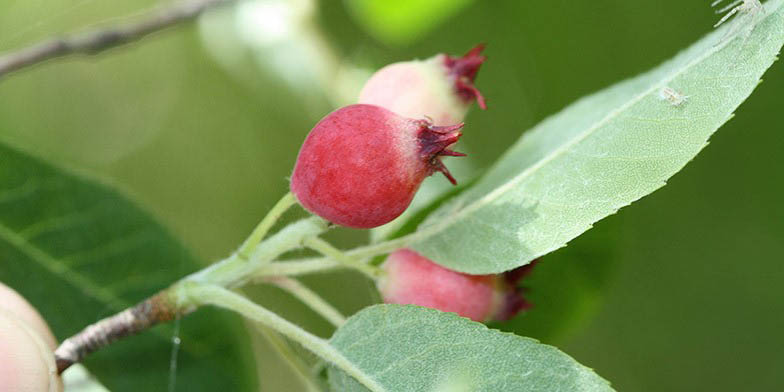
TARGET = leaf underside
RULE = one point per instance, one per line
(601, 153)
(410, 348)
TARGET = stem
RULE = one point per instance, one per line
(197, 294)
(297, 267)
(170, 303)
(235, 271)
(310, 298)
(290, 357)
(368, 251)
(264, 226)
(336, 254)
(156, 309)
(321, 264)
(96, 41)
(231, 272)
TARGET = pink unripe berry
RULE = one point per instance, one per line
(361, 165)
(412, 279)
(441, 87)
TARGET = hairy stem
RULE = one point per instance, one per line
(254, 260)
(297, 267)
(318, 264)
(221, 297)
(372, 250)
(96, 41)
(235, 271)
(336, 254)
(311, 265)
(265, 225)
(231, 272)
(170, 303)
(310, 298)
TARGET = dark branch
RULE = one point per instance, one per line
(94, 42)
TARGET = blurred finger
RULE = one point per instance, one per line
(26, 347)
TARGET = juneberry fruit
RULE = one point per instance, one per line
(441, 87)
(412, 279)
(361, 165)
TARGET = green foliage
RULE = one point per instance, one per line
(79, 251)
(600, 154)
(408, 348)
(402, 21)
(700, 263)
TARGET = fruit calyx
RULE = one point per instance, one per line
(513, 301)
(462, 70)
(434, 142)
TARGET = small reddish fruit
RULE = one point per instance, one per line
(361, 165)
(412, 279)
(441, 87)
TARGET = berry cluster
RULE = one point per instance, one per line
(362, 164)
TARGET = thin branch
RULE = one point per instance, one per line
(154, 310)
(297, 267)
(96, 41)
(168, 304)
(308, 297)
(200, 294)
(325, 248)
(265, 225)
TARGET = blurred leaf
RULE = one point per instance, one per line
(600, 154)
(79, 251)
(407, 348)
(402, 21)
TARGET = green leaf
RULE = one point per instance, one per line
(402, 21)
(600, 154)
(79, 251)
(410, 348)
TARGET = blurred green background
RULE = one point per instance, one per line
(202, 126)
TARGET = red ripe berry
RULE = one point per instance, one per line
(441, 87)
(361, 165)
(412, 279)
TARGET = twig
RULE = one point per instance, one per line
(168, 304)
(265, 225)
(336, 254)
(308, 297)
(96, 41)
(147, 313)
